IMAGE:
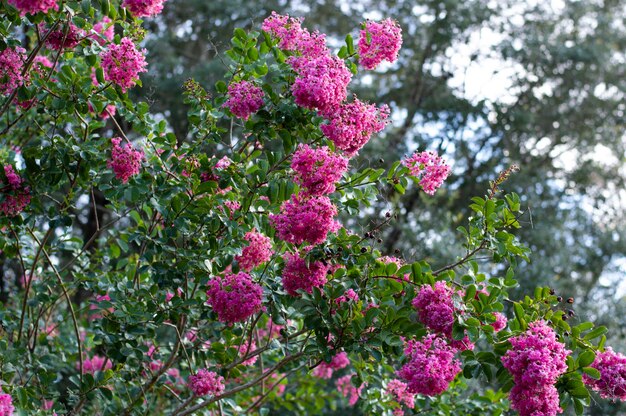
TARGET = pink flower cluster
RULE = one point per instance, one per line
(41, 62)
(430, 169)
(436, 310)
(293, 37)
(15, 195)
(345, 387)
(95, 364)
(400, 391)
(322, 80)
(322, 84)
(317, 170)
(34, 6)
(612, 368)
(246, 348)
(6, 405)
(351, 125)
(287, 29)
(11, 64)
(379, 41)
(144, 8)
(66, 38)
(244, 98)
(536, 360)
(297, 275)
(325, 370)
(106, 28)
(435, 307)
(500, 322)
(206, 382)
(258, 251)
(307, 220)
(431, 365)
(125, 160)
(234, 297)
(348, 295)
(123, 63)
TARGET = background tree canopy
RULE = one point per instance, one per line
(490, 84)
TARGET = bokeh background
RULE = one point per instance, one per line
(539, 84)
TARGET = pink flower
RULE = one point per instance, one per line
(123, 63)
(351, 125)
(287, 29)
(108, 111)
(542, 400)
(325, 370)
(125, 160)
(66, 38)
(500, 322)
(258, 251)
(6, 405)
(612, 368)
(297, 275)
(42, 61)
(399, 390)
(317, 170)
(11, 64)
(234, 297)
(106, 29)
(293, 37)
(347, 296)
(244, 98)
(47, 404)
(431, 366)
(95, 364)
(379, 42)
(34, 6)
(321, 83)
(536, 360)
(430, 169)
(232, 206)
(206, 382)
(536, 357)
(144, 8)
(13, 178)
(435, 307)
(15, 196)
(307, 220)
(223, 163)
(345, 387)
(245, 349)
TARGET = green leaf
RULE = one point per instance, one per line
(592, 372)
(350, 44)
(601, 330)
(585, 358)
(519, 315)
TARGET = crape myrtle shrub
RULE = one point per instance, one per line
(144, 277)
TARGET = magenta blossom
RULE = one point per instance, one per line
(379, 41)
(144, 8)
(125, 160)
(123, 63)
(234, 297)
(430, 169)
(206, 382)
(244, 99)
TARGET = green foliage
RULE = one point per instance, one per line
(169, 230)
